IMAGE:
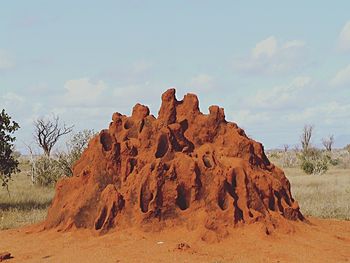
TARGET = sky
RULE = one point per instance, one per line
(273, 65)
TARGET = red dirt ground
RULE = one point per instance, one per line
(321, 241)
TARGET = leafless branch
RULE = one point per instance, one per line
(328, 142)
(305, 137)
(48, 131)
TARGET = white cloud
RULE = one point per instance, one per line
(6, 61)
(11, 98)
(246, 117)
(342, 77)
(141, 67)
(13, 103)
(267, 47)
(138, 71)
(265, 113)
(201, 82)
(330, 113)
(83, 92)
(344, 38)
(269, 56)
(281, 96)
(294, 44)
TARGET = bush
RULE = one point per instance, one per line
(314, 161)
(47, 171)
(307, 166)
(76, 145)
(332, 161)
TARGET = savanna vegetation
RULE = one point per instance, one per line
(28, 181)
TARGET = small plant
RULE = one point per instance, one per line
(47, 171)
(307, 166)
(314, 161)
(75, 147)
(332, 161)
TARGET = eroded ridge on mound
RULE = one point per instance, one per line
(182, 167)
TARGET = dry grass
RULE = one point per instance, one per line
(26, 204)
(325, 196)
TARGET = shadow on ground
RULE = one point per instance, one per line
(24, 205)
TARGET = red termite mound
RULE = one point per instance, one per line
(182, 167)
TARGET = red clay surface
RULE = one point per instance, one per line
(322, 241)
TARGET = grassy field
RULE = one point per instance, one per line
(325, 196)
(26, 203)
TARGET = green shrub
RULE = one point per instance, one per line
(75, 147)
(320, 166)
(334, 162)
(307, 166)
(314, 161)
(47, 171)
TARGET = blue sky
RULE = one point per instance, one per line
(273, 66)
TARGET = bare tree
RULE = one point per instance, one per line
(305, 137)
(328, 142)
(48, 131)
(285, 147)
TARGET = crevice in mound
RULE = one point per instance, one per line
(198, 183)
(162, 146)
(128, 124)
(183, 197)
(106, 141)
(142, 123)
(207, 161)
(279, 204)
(109, 209)
(145, 197)
(286, 197)
(132, 164)
(231, 189)
(101, 219)
(222, 198)
(271, 203)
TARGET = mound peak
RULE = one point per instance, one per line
(183, 167)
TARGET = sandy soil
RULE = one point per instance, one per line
(320, 241)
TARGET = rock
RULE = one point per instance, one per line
(183, 246)
(5, 255)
